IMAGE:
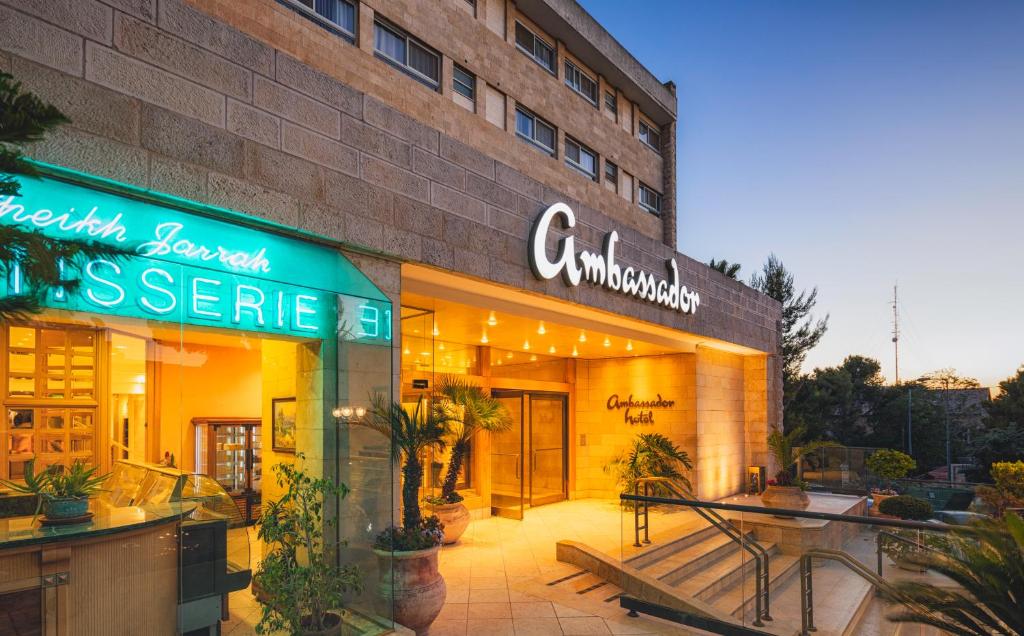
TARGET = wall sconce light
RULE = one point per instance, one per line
(348, 412)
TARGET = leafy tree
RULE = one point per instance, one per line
(1008, 407)
(731, 270)
(24, 118)
(800, 331)
(996, 445)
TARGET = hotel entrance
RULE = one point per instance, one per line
(529, 461)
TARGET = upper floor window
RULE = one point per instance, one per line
(340, 13)
(650, 200)
(611, 176)
(463, 82)
(580, 82)
(535, 130)
(580, 158)
(539, 50)
(610, 103)
(407, 53)
(649, 135)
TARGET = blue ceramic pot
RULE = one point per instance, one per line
(65, 507)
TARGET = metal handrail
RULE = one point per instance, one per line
(762, 594)
(902, 539)
(807, 583)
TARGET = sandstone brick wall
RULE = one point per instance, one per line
(721, 423)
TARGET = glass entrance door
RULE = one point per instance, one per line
(528, 460)
(507, 462)
(547, 448)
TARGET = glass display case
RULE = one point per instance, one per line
(229, 451)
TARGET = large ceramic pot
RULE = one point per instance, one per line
(65, 507)
(333, 626)
(788, 497)
(410, 586)
(876, 504)
(454, 517)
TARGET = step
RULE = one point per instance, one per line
(738, 600)
(657, 552)
(692, 559)
(841, 599)
(720, 575)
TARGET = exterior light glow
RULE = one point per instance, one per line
(406, 351)
(336, 412)
(491, 320)
(574, 351)
(607, 341)
(541, 330)
(551, 349)
(360, 411)
(440, 346)
(436, 332)
(483, 338)
(629, 345)
(583, 336)
(526, 345)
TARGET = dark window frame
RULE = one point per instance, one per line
(572, 69)
(310, 13)
(658, 199)
(646, 139)
(380, 22)
(457, 83)
(613, 105)
(578, 165)
(532, 139)
(610, 165)
(532, 52)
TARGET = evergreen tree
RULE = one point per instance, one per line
(24, 118)
(1008, 407)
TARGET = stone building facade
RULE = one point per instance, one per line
(266, 108)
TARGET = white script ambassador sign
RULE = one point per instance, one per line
(601, 269)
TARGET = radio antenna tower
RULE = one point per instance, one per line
(896, 329)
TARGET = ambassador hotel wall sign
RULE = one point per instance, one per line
(601, 269)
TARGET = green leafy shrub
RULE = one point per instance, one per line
(788, 450)
(428, 534)
(300, 574)
(906, 507)
(652, 455)
(888, 465)
(1008, 491)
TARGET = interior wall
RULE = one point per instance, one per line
(721, 424)
(203, 381)
(278, 381)
(602, 434)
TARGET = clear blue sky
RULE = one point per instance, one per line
(863, 142)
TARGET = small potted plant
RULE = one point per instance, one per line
(300, 582)
(786, 490)
(63, 493)
(888, 465)
(468, 410)
(410, 586)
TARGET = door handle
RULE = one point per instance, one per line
(519, 467)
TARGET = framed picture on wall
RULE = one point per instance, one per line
(283, 430)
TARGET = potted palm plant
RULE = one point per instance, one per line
(786, 490)
(469, 410)
(410, 585)
(651, 455)
(63, 493)
(300, 581)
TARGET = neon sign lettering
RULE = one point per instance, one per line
(602, 269)
(167, 242)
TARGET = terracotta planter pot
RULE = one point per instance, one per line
(876, 504)
(789, 497)
(455, 518)
(410, 586)
(333, 628)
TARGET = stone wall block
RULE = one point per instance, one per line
(78, 150)
(467, 157)
(253, 123)
(250, 198)
(394, 178)
(491, 192)
(321, 219)
(296, 107)
(142, 9)
(178, 178)
(150, 84)
(374, 141)
(515, 180)
(36, 40)
(400, 243)
(399, 124)
(364, 232)
(439, 170)
(418, 217)
(507, 222)
(90, 107)
(195, 26)
(88, 18)
(457, 203)
(283, 172)
(437, 253)
(191, 141)
(146, 42)
(318, 85)
(319, 149)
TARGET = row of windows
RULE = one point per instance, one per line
(543, 135)
(416, 59)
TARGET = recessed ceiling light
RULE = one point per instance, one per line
(491, 319)
(607, 341)
(574, 351)
(405, 351)
(583, 336)
(526, 345)
(509, 355)
(533, 358)
(551, 349)
(499, 362)
(629, 345)
(441, 346)
(483, 338)
(436, 332)
(540, 329)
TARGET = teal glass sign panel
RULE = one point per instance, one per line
(189, 267)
